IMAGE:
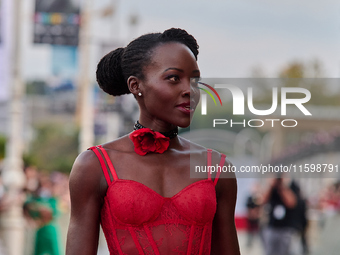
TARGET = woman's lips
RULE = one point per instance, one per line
(185, 108)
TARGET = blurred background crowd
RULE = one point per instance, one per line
(45, 205)
(51, 109)
(275, 227)
(312, 221)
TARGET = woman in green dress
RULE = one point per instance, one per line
(42, 207)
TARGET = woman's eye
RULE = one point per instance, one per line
(194, 81)
(173, 78)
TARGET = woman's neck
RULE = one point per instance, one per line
(170, 134)
(159, 126)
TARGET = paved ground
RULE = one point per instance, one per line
(329, 238)
(323, 240)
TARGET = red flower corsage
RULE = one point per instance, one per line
(146, 140)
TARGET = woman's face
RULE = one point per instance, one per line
(169, 97)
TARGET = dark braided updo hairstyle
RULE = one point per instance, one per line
(116, 67)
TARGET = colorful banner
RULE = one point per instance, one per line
(57, 22)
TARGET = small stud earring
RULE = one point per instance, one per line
(139, 94)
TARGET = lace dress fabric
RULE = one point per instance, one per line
(137, 220)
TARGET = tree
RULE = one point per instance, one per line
(54, 148)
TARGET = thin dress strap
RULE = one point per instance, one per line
(209, 152)
(108, 160)
(97, 150)
(221, 166)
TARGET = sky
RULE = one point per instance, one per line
(235, 36)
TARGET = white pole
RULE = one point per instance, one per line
(12, 221)
(85, 97)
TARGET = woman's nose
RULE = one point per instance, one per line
(186, 89)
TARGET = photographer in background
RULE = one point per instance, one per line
(280, 230)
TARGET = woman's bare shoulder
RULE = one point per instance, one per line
(121, 144)
(199, 150)
(86, 177)
(193, 147)
(87, 163)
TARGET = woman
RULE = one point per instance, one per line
(138, 186)
(42, 208)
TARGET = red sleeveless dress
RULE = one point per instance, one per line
(137, 220)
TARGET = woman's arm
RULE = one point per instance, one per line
(224, 237)
(86, 185)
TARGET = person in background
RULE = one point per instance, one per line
(41, 206)
(300, 217)
(281, 229)
(253, 205)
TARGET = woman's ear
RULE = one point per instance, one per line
(134, 85)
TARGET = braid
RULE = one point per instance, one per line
(110, 75)
(116, 67)
(181, 36)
